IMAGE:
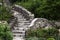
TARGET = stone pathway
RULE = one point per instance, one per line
(24, 19)
(20, 27)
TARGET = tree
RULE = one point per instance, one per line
(43, 8)
(49, 9)
(42, 33)
(5, 32)
(12, 1)
(5, 14)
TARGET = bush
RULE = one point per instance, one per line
(12, 1)
(5, 32)
(32, 38)
(49, 9)
(35, 38)
(50, 39)
(42, 33)
(43, 8)
(5, 14)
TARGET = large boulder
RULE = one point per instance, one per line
(57, 23)
(42, 23)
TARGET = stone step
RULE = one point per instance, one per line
(23, 21)
(18, 38)
(18, 28)
(24, 28)
(19, 35)
(22, 36)
(23, 24)
(20, 17)
(18, 31)
(12, 21)
(20, 22)
(27, 24)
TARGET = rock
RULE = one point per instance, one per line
(57, 23)
(42, 23)
(0, 3)
(4, 22)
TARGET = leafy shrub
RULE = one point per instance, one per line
(43, 8)
(49, 10)
(12, 1)
(57, 38)
(44, 33)
(5, 14)
(35, 38)
(5, 32)
(50, 39)
(32, 38)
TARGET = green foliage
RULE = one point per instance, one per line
(32, 38)
(35, 38)
(49, 9)
(0, 0)
(12, 1)
(42, 33)
(50, 39)
(5, 32)
(43, 8)
(5, 14)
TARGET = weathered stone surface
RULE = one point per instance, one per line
(4, 22)
(41, 22)
(18, 38)
(57, 23)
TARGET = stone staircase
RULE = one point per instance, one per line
(21, 24)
